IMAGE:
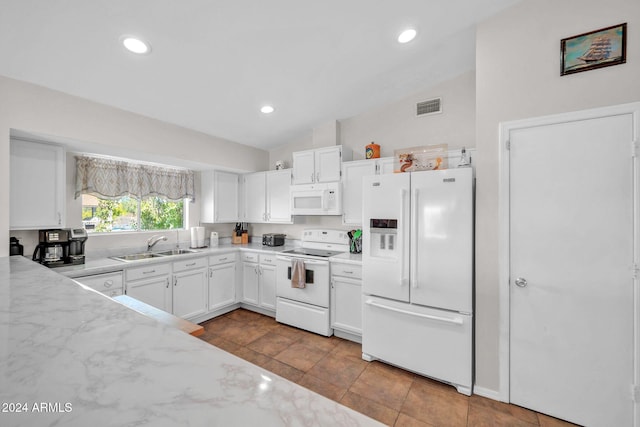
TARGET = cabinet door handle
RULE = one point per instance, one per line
(210, 272)
(167, 283)
(317, 176)
(312, 180)
(59, 218)
(175, 281)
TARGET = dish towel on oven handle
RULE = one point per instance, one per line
(298, 274)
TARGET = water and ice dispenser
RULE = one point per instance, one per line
(384, 238)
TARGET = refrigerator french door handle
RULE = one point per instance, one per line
(455, 321)
(403, 280)
(414, 242)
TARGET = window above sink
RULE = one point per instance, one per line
(131, 214)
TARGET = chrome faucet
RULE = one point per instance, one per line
(151, 241)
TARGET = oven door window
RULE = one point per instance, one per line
(308, 278)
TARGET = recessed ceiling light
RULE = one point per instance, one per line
(407, 35)
(136, 45)
(267, 109)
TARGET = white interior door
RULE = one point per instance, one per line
(571, 270)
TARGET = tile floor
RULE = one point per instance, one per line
(334, 368)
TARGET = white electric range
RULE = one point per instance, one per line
(308, 308)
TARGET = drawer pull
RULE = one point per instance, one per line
(108, 283)
(347, 272)
(190, 265)
(222, 259)
(148, 272)
(268, 260)
(455, 320)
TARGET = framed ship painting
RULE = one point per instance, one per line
(596, 49)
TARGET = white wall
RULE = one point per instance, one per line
(518, 76)
(393, 126)
(34, 109)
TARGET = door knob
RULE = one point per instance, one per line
(521, 282)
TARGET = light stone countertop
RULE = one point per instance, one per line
(106, 265)
(347, 258)
(93, 362)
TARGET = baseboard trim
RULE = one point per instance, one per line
(486, 392)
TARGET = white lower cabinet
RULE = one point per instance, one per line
(222, 281)
(267, 275)
(190, 286)
(250, 292)
(259, 280)
(151, 284)
(110, 284)
(346, 300)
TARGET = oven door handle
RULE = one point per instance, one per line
(306, 260)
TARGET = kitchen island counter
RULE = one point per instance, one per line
(71, 356)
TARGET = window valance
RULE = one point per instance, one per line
(112, 179)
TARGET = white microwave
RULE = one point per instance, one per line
(316, 199)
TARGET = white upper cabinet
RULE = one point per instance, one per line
(320, 165)
(352, 174)
(254, 197)
(219, 197)
(278, 199)
(37, 185)
(304, 167)
(266, 197)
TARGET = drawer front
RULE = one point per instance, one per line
(444, 350)
(146, 271)
(222, 258)
(189, 264)
(346, 270)
(267, 259)
(103, 282)
(250, 256)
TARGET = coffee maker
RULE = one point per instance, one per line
(77, 237)
(60, 246)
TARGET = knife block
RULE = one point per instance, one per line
(235, 239)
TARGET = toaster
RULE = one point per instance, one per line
(273, 239)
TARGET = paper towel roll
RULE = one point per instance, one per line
(197, 237)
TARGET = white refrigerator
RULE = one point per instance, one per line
(418, 273)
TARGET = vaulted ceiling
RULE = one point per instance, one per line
(214, 64)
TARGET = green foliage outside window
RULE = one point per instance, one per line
(131, 214)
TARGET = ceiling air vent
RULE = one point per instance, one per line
(428, 107)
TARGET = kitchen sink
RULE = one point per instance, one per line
(147, 255)
(176, 252)
(136, 257)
